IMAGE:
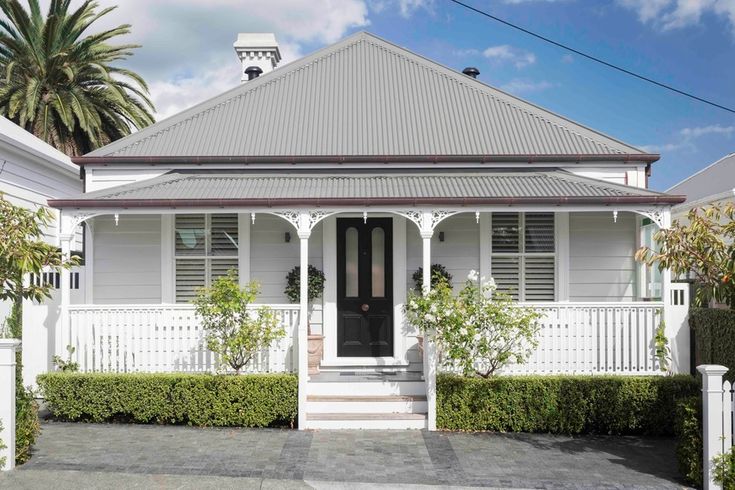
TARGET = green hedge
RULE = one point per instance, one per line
(688, 429)
(257, 400)
(562, 404)
(714, 337)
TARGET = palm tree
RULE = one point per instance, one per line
(57, 82)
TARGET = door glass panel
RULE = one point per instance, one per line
(378, 265)
(351, 263)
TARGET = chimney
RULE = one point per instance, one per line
(471, 71)
(258, 53)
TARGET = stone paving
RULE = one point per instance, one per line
(146, 456)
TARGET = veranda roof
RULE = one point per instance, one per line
(364, 96)
(199, 189)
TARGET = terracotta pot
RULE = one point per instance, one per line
(316, 350)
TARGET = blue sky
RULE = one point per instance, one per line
(187, 56)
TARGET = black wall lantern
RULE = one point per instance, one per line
(287, 237)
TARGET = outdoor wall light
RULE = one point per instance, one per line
(287, 237)
(441, 236)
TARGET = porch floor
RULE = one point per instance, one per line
(148, 456)
(347, 376)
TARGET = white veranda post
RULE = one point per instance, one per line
(427, 231)
(63, 334)
(304, 231)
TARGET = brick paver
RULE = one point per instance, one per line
(146, 456)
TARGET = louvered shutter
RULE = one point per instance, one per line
(539, 233)
(190, 234)
(190, 276)
(220, 267)
(506, 271)
(538, 278)
(505, 233)
(223, 235)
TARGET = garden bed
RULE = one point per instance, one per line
(253, 400)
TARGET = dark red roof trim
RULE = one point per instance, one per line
(293, 159)
(331, 202)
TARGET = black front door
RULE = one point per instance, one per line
(364, 287)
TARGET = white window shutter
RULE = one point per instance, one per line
(190, 276)
(538, 280)
(507, 271)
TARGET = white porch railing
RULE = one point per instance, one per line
(594, 338)
(161, 338)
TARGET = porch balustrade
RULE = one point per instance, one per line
(581, 338)
(161, 338)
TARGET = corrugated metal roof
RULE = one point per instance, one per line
(717, 178)
(190, 187)
(365, 96)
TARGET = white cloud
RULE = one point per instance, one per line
(186, 54)
(675, 14)
(517, 2)
(567, 59)
(506, 53)
(408, 7)
(688, 136)
(705, 130)
(519, 86)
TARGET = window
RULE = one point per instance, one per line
(205, 249)
(523, 261)
(650, 276)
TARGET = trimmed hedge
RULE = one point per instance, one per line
(254, 400)
(688, 429)
(562, 404)
(714, 337)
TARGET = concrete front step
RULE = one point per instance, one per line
(366, 404)
(366, 421)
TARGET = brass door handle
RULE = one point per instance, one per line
(365, 307)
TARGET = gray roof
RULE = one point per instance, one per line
(364, 96)
(717, 178)
(229, 189)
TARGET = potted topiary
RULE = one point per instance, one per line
(315, 290)
(439, 274)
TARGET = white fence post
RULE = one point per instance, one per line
(712, 418)
(8, 348)
(676, 315)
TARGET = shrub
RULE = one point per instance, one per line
(723, 470)
(293, 284)
(439, 274)
(233, 331)
(562, 404)
(27, 426)
(2, 446)
(254, 400)
(688, 430)
(714, 337)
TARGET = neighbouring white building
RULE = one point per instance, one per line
(714, 184)
(31, 172)
(367, 161)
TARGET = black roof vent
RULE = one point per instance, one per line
(471, 71)
(253, 72)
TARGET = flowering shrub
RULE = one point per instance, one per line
(479, 330)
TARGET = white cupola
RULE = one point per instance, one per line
(258, 53)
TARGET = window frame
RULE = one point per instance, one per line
(207, 257)
(523, 255)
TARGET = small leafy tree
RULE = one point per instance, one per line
(234, 331)
(704, 247)
(293, 284)
(479, 330)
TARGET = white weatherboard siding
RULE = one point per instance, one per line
(459, 252)
(127, 259)
(99, 178)
(271, 258)
(601, 263)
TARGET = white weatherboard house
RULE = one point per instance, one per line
(368, 162)
(31, 172)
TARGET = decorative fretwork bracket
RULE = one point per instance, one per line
(426, 221)
(660, 216)
(303, 221)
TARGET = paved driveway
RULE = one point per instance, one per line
(144, 456)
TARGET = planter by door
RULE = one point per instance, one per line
(316, 350)
(364, 287)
